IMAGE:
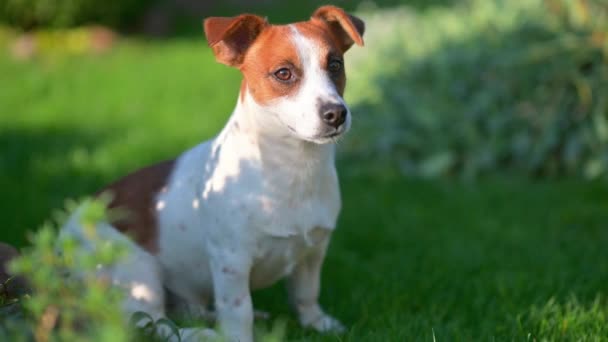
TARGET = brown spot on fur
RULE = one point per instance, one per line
(228, 270)
(136, 193)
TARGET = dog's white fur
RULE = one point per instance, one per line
(255, 204)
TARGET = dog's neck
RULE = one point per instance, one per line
(257, 133)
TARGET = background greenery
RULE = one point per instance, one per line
(30, 14)
(489, 87)
(475, 202)
(185, 15)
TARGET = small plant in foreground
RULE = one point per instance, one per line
(70, 298)
(82, 307)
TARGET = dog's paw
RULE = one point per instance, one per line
(198, 334)
(326, 324)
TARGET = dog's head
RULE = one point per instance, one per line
(293, 74)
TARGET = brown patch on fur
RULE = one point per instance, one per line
(230, 37)
(243, 90)
(274, 49)
(136, 193)
(227, 270)
(259, 49)
(271, 51)
(346, 28)
(329, 48)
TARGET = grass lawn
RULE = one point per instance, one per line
(503, 259)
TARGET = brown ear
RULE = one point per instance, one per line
(347, 28)
(230, 37)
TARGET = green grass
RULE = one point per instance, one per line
(496, 260)
(500, 259)
(69, 125)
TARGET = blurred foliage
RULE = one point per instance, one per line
(487, 86)
(83, 307)
(59, 43)
(183, 16)
(27, 14)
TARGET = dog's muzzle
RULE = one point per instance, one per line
(333, 114)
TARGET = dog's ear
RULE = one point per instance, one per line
(230, 37)
(347, 28)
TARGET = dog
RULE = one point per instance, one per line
(258, 202)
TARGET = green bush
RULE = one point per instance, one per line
(27, 14)
(60, 308)
(491, 86)
(69, 301)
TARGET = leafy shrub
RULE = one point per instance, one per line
(488, 86)
(29, 14)
(69, 301)
(61, 308)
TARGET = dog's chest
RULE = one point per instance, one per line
(276, 257)
(290, 224)
(271, 216)
(292, 207)
(282, 192)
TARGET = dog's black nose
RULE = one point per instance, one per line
(334, 114)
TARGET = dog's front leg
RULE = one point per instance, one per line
(232, 297)
(304, 286)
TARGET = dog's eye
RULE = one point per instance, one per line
(335, 66)
(283, 74)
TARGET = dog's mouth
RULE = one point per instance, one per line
(335, 134)
(332, 136)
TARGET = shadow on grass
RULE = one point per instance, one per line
(39, 169)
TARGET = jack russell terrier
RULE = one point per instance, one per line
(257, 203)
